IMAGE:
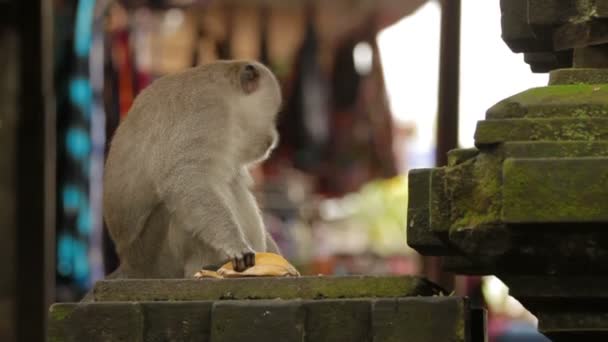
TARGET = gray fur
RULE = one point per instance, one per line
(176, 184)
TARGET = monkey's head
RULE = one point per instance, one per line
(256, 103)
(233, 103)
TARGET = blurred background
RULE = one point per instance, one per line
(371, 89)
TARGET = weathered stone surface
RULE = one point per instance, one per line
(177, 321)
(558, 101)
(100, 322)
(262, 288)
(338, 320)
(516, 30)
(435, 318)
(419, 235)
(420, 319)
(578, 76)
(576, 287)
(460, 155)
(580, 35)
(550, 148)
(497, 131)
(439, 220)
(555, 190)
(542, 62)
(589, 318)
(471, 192)
(554, 149)
(259, 320)
(548, 31)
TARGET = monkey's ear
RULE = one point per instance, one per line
(250, 78)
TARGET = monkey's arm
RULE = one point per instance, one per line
(271, 245)
(203, 210)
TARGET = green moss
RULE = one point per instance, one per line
(460, 155)
(573, 100)
(460, 329)
(528, 129)
(547, 149)
(578, 76)
(555, 190)
(473, 189)
(59, 312)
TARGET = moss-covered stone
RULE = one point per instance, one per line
(559, 101)
(419, 234)
(460, 155)
(338, 320)
(439, 217)
(177, 321)
(555, 190)
(496, 131)
(101, 322)
(554, 149)
(309, 287)
(578, 76)
(436, 318)
(473, 191)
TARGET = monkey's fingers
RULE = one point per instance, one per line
(243, 262)
(249, 260)
(238, 264)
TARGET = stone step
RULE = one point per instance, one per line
(438, 318)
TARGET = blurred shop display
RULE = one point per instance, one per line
(359, 233)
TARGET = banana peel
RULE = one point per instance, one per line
(266, 265)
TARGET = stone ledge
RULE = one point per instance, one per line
(321, 287)
(413, 319)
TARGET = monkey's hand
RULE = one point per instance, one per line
(243, 261)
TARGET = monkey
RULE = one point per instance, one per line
(177, 189)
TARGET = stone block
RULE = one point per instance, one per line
(260, 320)
(558, 101)
(419, 235)
(420, 319)
(460, 155)
(578, 76)
(436, 318)
(554, 149)
(516, 31)
(338, 320)
(99, 322)
(555, 190)
(498, 131)
(439, 218)
(544, 288)
(177, 321)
